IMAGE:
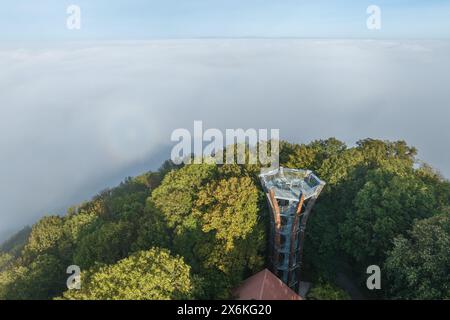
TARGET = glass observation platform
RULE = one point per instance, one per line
(289, 184)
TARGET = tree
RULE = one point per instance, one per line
(76, 223)
(228, 211)
(151, 229)
(8, 278)
(15, 244)
(340, 167)
(298, 156)
(44, 237)
(310, 156)
(72, 230)
(418, 265)
(42, 279)
(396, 157)
(326, 291)
(213, 216)
(176, 195)
(441, 186)
(107, 243)
(229, 208)
(5, 261)
(385, 207)
(146, 275)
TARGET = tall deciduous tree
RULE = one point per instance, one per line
(146, 275)
(418, 267)
(44, 237)
(385, 207)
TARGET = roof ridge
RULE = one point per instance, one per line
(263, 284)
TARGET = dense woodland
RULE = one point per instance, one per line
(196, 231)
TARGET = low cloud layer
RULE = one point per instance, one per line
(77, 118)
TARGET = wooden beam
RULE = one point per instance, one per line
(300, 204)
(277, 221)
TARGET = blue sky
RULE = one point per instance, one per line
(30, 20)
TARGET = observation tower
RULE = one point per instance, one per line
(291, 195)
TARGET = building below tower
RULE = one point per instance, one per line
(264, 286)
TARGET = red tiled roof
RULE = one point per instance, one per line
(265, 286)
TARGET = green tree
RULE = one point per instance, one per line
(326, 291)
(8, 278)
(44, 237)
(213, 216)
(15, 244)
(75, 224)
(5, 261)
(396, 157)
(310, 156)
(228, 211)
(151, 229)
(229, 208)
(44, 278)
(340, 167)
(385, 207)
(176, 195)
(418, 265)
(145, 275)
(107, 243)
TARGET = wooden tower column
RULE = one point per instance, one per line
(277, 222)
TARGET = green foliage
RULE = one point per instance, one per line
(310, 156)
(176, 195)
(165, 168)
(5, 261)
(75, 224)
(380, 153)
(44, 277)
(418, 265)
(214, 218)
(377, 208)
(15, 244)
(228, 214)
(373, 195)
(9, 282)
(127, 199)
(145, 275)
(327, 291)
(44, 237)
(108, 228)
(229, 208)
(151, 229)
(440, 186)
(108, 243)
(340, 167)
(385, 207)
(298, 156)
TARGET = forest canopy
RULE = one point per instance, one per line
(197, 231)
